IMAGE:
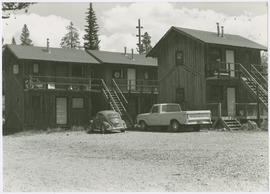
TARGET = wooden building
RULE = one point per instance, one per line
(50, 87)
(217, 71)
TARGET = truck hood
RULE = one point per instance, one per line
(197, 111)
(142, 115)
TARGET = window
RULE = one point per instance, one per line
(155, 109)
(77, 103)
(118, 73)
(15, 69)
(180, 95)
(171, 108)
(179, 58)
(77, 71)
(35, 68)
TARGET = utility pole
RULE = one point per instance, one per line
(139, 27)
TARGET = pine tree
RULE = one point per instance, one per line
(91, 36)
(25, 36)
(146, 42)
(71, 39)
(13, 41)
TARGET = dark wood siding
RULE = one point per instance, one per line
(189, 76)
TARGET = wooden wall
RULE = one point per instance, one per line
(14, 98)
(189, 76)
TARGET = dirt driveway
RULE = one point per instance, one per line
(136, 161)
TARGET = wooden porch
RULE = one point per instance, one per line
(80, 84)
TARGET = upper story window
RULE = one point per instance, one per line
(15, 69)
(35, 68)
(118, 73)
(77, 71)
(179, 57)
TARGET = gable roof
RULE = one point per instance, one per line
(212, 38)
(55, 54)
(121, 58)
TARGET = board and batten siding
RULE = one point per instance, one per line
(190, 75)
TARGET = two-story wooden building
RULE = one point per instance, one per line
(217, 71)
(49, 87)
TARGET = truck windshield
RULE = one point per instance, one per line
(171, 108)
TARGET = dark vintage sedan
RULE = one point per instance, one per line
(107, 121)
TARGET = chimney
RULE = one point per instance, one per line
(222, 31)
(125, 51)
(48, 45)
(218, 29)
(132, 54)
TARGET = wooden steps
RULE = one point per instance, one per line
(231, 123)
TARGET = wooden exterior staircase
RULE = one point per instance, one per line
(255, 83)
(231, 123)
(117, 101)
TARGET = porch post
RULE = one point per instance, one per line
(219, 110)
(258, 107)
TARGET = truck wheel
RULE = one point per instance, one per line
(143, 125)
(174, 125)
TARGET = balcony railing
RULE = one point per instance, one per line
(138, 85)
(89, 84)
(222, 70)
(62, 83)
(242, 110)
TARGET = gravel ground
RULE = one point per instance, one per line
(136, 161)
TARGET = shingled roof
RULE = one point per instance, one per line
(212, 38)
(121, 58)
(55, 54)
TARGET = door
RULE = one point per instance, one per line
(61, 111)
(231, 101)
(154, 116)
(131, 79)
(230, 62)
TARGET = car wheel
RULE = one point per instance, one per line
(174, 125)
(143, 125)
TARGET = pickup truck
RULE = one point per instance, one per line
(170, 114)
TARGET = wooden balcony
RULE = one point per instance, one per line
(243, 111)
(61, 83)
(138, 86)
(222, 70)
(75, 84)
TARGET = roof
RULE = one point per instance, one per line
(121, 58)
(55, 54)
(212, 38)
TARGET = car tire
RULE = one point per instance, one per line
(174, 126)
(143, 125)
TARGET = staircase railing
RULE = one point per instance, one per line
(251, 78)
(117, 89)
(257, 75)
(260, 92)
(107, 91)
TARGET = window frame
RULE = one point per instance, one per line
(179, 62)
(77, 107)
(37, 68)
(14, 69)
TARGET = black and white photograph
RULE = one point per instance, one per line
(134, 96)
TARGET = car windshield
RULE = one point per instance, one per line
(171, 108)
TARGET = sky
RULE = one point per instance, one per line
(117, 21)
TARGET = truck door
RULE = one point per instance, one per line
(154, 116)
